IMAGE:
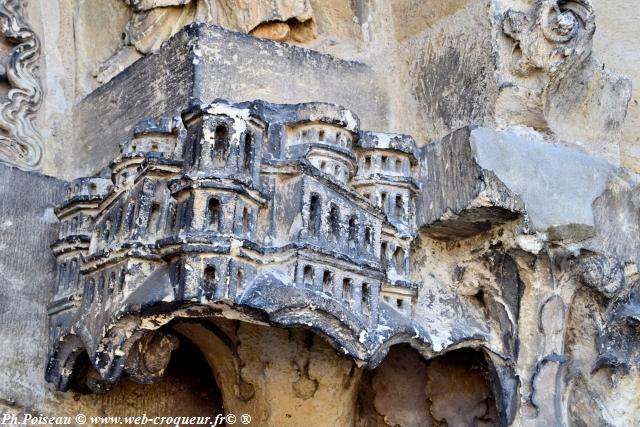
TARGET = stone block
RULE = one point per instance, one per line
(207, 62)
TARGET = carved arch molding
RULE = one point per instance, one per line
(20, 141)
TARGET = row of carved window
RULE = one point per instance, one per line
(334, 225)
(323, 135)
(211, 281)
(68, 274)
(397, 209)
(387, 163)
(108, 283)
(344, 290)
(219, 151)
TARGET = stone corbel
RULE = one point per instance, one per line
(20, 142)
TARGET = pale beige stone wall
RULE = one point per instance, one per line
(617, 44)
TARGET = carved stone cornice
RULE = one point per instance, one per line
(20, 142)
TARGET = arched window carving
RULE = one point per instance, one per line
(245, 220)
(368, 237)
(214, 214)
(347, 289)
(398, 259)
(248, 152)
(334, 222)
(314, 215)
(327, 282)
(220, 146)
(383, 255)
(353, 232)
(308, 276)
(210, 279)
(154, 216)
(366, 299)
(399, 207)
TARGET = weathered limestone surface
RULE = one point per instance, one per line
(28, 225)
(509, 291)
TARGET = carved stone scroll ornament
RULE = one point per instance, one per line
(20, 142)
(555, 33)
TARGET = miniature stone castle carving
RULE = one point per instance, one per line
(255, 208)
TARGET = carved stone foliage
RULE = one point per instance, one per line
(553, 34)
(20, 142)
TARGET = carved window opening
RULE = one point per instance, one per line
(367, 196)
(398, 259)
(383, 201)
(308, 276)
(383, 163)
(368, 238)
(214, 214)
(323, 165)
(400, 304)
(353, 232)
(93, 188)
(210, 280)
(248, 151)
(314, 215)
(321, 135)
(327, 282)
(347, 289)
(336, 171)
(74, 225)
(398, 165)
(366, 298)
(123, 276)
(367, 163)
(245, 220)
(154, 216)
(399, 206)
(220, 146)
(239, 279)
(334, 222)
(383, 255)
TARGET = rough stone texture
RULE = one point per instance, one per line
(28, 226)
(522, 261)
(614, 43)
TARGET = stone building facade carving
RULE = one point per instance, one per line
(214, 229)
(290, 210)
